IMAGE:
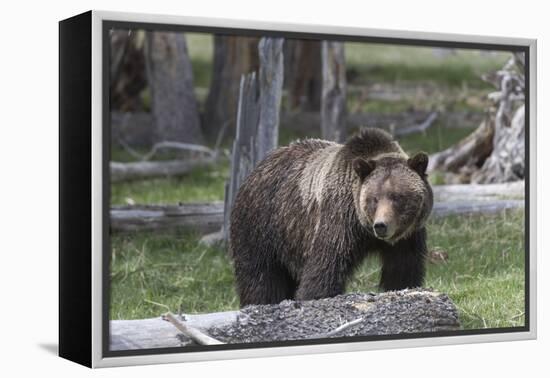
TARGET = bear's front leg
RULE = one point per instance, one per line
(403, 263)
(321, 279)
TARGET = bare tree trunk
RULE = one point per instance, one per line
(257, 119)
(303, 75)
(244, 151)
(333, 101)
(174, 107)
(127, 70)
(233, 57)
(271, 90)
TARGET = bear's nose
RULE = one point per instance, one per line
(380, 228)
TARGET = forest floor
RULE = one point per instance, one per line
(478, 260)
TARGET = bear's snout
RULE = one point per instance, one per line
(380, 229)
(383, 225)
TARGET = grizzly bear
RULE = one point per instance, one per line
(309, 213)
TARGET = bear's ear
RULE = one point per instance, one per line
(363, 167)
(419, 163)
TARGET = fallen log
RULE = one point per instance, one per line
(348, 315)
(479, 192)
(198, 217)
(208, 217)
(157, 333)
(152, 169)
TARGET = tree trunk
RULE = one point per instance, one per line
(333, 101)
(257, 119)
(174, 107)
(271, 90)
(233, 57)
(303, 75)
(127, 70)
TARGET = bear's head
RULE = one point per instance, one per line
(393, 197)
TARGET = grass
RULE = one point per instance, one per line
(436, 138)
(484, 273)
(152, 273)
(201, 185)
(371, 62)
(390, 63)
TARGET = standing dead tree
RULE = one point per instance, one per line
(257, 119)
(174, 107)
(495, 151)
(333, 99)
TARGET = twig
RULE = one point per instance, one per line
(177, 146)
(192, 333)
(336, 331)
(422, 127)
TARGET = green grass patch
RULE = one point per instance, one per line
(152, 273)
(201, 50)
(369, 62)
(436, 138)
(202, 184)
(483, 275)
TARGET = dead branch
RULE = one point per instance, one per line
(193, 333)
(420, 128)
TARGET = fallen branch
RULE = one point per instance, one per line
(420, 128)
(193, 333)
(336, 331)
(178, 146)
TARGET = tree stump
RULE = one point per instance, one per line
(495, 151)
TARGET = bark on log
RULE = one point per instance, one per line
(170, 77)
(206, 218)
(333, 100)
(401, 312)
(153, 169)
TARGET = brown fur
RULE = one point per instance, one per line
(303, 219)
